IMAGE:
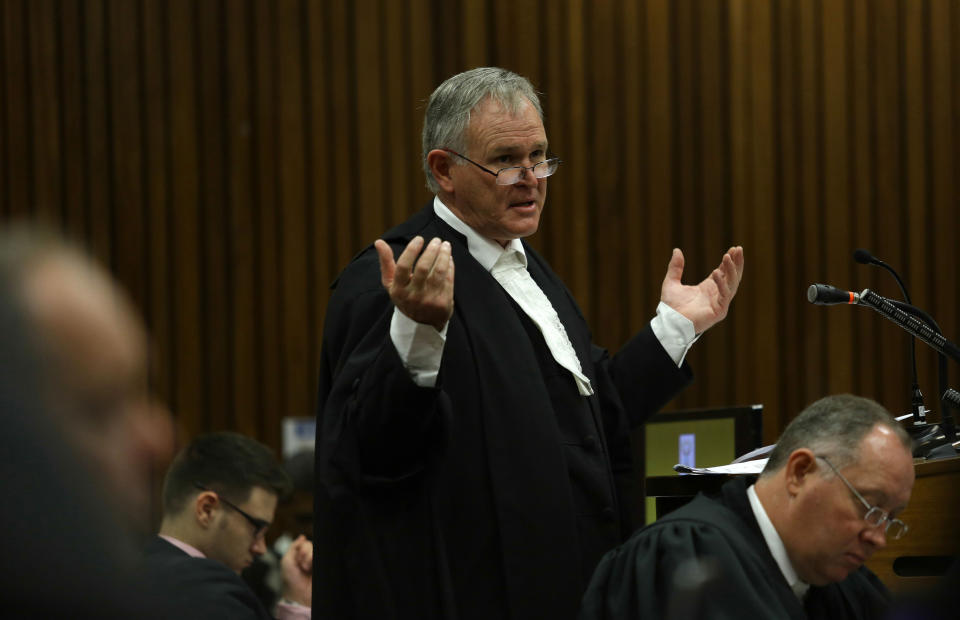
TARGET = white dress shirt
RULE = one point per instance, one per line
(775, 544)
(421, 346)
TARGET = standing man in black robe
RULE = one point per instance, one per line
(790, 546)
(473, 444)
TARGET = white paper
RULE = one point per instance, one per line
(747, 467)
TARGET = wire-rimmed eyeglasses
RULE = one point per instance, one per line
(513, 174)
(875, 516)
(259, 525)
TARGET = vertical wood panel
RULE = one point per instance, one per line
(265, 146)
(158, 308)
(239, 228)
(97, 159)
(188, 396)
(292, 210)
(46, 173)
(227, 159)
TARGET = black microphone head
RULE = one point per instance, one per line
(864, 257)
(826, 295)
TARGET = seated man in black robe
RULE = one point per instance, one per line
(790, 546)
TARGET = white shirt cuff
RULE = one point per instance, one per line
(674, 331)
(420, 347)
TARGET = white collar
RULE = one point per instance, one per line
(485, 251)
(775, 544)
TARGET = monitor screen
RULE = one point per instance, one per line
(698, 438)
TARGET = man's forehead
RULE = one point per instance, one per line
(491, 114)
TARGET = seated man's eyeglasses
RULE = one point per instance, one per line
(513, 174)
(875, 517)
(259, 525)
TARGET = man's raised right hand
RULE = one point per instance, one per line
(419, 284)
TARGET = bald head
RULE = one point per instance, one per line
(93, 352)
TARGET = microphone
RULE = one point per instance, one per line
(864, 257)
(826, 295)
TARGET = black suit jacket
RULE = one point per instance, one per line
(708, 559)
(487, 496)
(198, 588)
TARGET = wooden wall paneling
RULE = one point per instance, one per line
(97, 155)
(319, 160)
(44, 97)
(297, 365)
(686, 159)
(636, 293)
(891, 239)
(345, 160)
(944, 166)
(477, 36)
(862, 198)
(837, 228)
(714, 223)
(606, 200)
(215, 303)
(740, 321)
(126, 142)
(5, 154)
(17, 140)
(239, 226)
(790, 228)
(657, 201)
(421, 50)
(400, 147)
(575, 187)
(762, 198)
(369, 138)
(517, 36)
(556, 103)
(72, 108)
(187, 398)
(915, 270)
(813, 327)
(266, 147)
(156, 176)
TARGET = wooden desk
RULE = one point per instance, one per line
(933, 514)
(915, 561)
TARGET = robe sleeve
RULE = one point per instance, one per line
(377, 426)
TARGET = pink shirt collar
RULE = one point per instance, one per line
(188, 549)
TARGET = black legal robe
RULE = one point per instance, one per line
(725, 571)
(492, 495)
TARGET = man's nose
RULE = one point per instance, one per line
(259, 545)
(876, 536)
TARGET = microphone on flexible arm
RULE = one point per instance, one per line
(930, 440)
(864, 257)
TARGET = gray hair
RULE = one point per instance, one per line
(448, 110)
(834, 426)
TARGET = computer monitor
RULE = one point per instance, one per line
(696, 437)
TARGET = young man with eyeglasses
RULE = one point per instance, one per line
(473, 448)
(219, 498)
(792, 545)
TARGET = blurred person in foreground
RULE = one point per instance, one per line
(473, 443)
(92, 360)
(792, 545)
(80, 435)
(219, 498)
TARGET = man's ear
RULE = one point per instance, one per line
(440, 164)
(801, 464)
(204, 506)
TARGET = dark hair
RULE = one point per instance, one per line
(228, 463)
(834, 426)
